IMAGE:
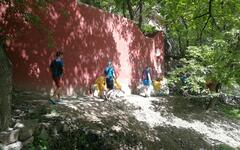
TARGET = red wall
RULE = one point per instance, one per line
(89, 38)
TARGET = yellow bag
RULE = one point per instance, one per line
(156, 85)
(101, 84)
(117, 85)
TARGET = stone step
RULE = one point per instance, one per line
(8, 137)
(14, 146)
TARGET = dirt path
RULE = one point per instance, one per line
(216, 131)
(150, 123)
(181, 114)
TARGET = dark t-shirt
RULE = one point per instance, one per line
(57, 68)
(145, 74)
(145, 77)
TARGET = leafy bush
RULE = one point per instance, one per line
(148, 29)
(217, 63)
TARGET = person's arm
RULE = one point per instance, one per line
(63, 70)
(114, 75)
(105, 72)
(51, 66)
(62, 67)
(149, 77)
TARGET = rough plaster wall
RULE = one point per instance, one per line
(89, 38)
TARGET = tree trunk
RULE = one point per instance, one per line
(180, 51)
(186, 28)
(5, 90)
(124, 8)
(130, 10)
(140, 14)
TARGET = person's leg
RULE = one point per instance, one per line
(148, 91)
(145, 90)
(55, 95)
(59, 89)
(57, 92)
(110, 86)
(52, 98)
(54, 90)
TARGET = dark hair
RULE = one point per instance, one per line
(59, 53)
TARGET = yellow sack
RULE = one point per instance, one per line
(156, 85)
(101, 84)
(117, 85)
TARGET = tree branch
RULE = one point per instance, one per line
(204, 27)
(207, 13)
(210, 7)
(210, 16)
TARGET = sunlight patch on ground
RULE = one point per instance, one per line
(92, 117)
(52, 114)
(216, 131)
(90, 108)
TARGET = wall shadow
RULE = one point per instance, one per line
(88, 37)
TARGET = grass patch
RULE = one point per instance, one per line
(230, 111)
(224, 147)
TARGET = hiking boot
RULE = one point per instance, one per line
(60, 101)
(51, 101)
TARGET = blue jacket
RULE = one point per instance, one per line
(109, 72)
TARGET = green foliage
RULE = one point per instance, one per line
(95, 3)
(128, 8)
(224, 147)
(148, 29)
(198, 22)
(229, 111)
(218, 62)
(194, 67)
(40, 143)
(187, 22)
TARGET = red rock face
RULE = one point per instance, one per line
(89, 38)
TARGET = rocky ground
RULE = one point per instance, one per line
(132, 122)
